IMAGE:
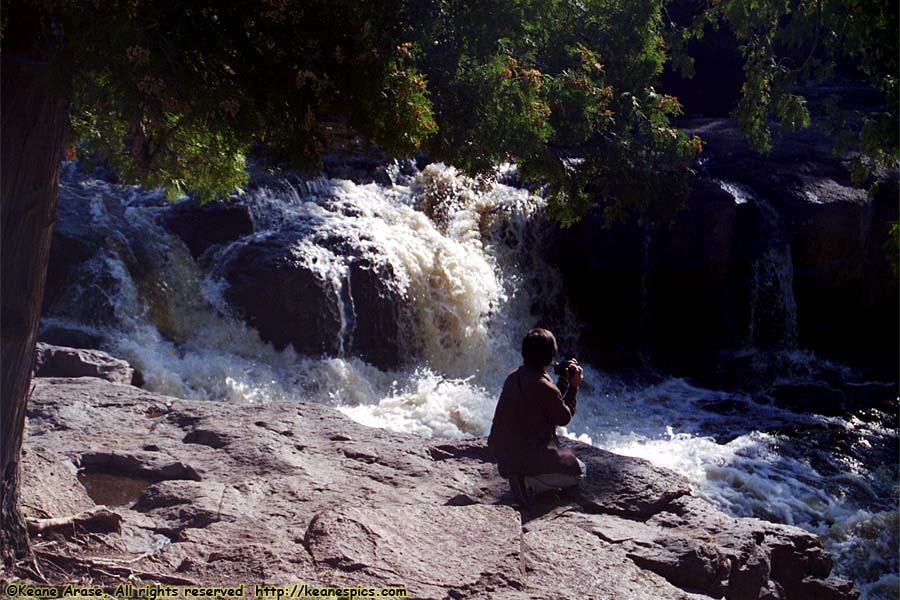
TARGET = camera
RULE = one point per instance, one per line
(562, 368)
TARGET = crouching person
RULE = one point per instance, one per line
(523, 434)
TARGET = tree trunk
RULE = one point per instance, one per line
(34, 125)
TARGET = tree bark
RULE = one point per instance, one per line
(34, 125)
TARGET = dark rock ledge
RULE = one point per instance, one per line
(299, 493)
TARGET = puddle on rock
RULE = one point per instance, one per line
(112, 490)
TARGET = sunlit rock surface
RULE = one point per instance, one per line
(298, 492)
(61, 361)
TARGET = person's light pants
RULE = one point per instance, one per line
(538, 484)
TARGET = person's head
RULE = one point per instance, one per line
(538, 348)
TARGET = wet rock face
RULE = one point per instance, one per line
(693, 298)
(333, 300)
(845, 294)
(601, 270)
(104, 257)
(770, 252)
(298, 492)
(68, 251)
(201, 226)
(843, 281)
(75, 241)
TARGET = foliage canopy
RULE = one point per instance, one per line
(786, 42)
(177, 94)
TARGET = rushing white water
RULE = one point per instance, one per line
(470, 266)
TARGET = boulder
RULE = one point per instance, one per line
(201, 226)
(626, 486)
(323, 296)
(294, 492)
(67, 253)
(59, 361)
(286, 302)
(355, 167)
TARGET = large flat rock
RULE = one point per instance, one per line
(297, 492)
(413, 545)
(61, 361)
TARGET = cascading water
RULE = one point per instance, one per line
(772, 319)
(469, 267)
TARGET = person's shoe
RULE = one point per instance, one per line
(520, 491)
(573, 493)
(552, 496)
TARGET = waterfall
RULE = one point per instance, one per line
(772, 320)
(468, 264)
(772, 291)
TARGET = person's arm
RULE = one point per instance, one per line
(558, 408)
(568, 385)
(555, 406)
(570, 398)
(562, 383)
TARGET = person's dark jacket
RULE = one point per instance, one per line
(523, 434)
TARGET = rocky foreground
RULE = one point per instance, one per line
(292, 493)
